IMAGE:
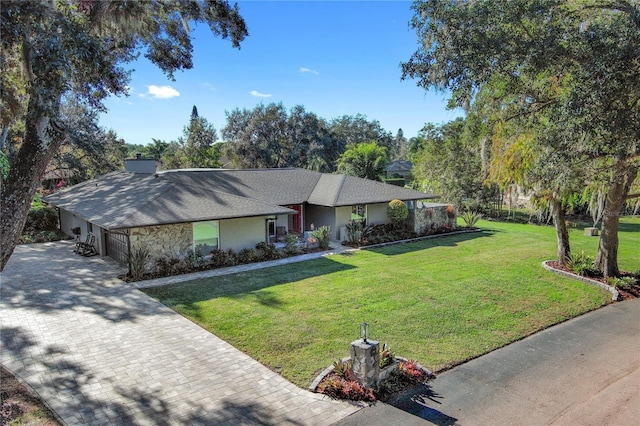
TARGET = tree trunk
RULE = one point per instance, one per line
(607, 259)
(562, 233)
(3, 137)
(41, 140)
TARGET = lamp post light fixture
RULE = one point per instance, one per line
(364, 331)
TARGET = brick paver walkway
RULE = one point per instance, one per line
(99, 351)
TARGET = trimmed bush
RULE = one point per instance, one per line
(267, 251)
(290, 245)
(397, 210)
(169, 266)
(323, 235)
(219, 258)
(247, 255)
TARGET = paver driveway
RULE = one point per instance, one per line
(100, 351)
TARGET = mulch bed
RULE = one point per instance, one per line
(127, 277)
(631, 292)
(21, 405)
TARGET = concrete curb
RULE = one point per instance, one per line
(610, 289)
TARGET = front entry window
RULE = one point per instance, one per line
(205, 237)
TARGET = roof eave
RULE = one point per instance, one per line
(427, 197)
(177, 222)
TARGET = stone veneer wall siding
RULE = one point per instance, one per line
(431, 218)
(163, 241)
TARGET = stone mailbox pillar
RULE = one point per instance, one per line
(365, 361)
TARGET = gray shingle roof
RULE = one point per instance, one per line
(327, 190)
(356, 190)
(275, 186)
(125, 199)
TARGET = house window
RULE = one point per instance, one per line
(271, 228)
(89, 227)
(359, 213)
(205, 237)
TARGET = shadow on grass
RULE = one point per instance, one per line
(578, 223)
(245, 283)
(629, 227)
(443, 240)
(622, 227)
(255, 282)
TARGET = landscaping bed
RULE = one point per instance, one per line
(164, 267)
(397, 374)
(20, 405)
(628, 291)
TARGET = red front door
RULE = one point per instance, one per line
(295, 220)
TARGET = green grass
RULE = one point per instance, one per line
(440, 301)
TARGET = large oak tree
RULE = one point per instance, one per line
(77, 49)
(568, 72)
(270, 136)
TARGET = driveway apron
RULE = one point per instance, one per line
(99, 351)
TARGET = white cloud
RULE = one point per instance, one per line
(305, 70)
(162, 92)
(260, 95)
(210, 86)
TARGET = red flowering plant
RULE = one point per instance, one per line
(341, 384)
(412, 371)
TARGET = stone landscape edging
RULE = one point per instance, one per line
(610, 289)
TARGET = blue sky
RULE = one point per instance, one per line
(332, 57)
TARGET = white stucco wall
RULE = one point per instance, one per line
(283, 220)
(242, 233)
(377, 213)
(69, 221)
(343, 216)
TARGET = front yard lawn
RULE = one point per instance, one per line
(441, 301)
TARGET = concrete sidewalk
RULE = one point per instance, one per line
(584, 372)
(335, 248)
(99, 351)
